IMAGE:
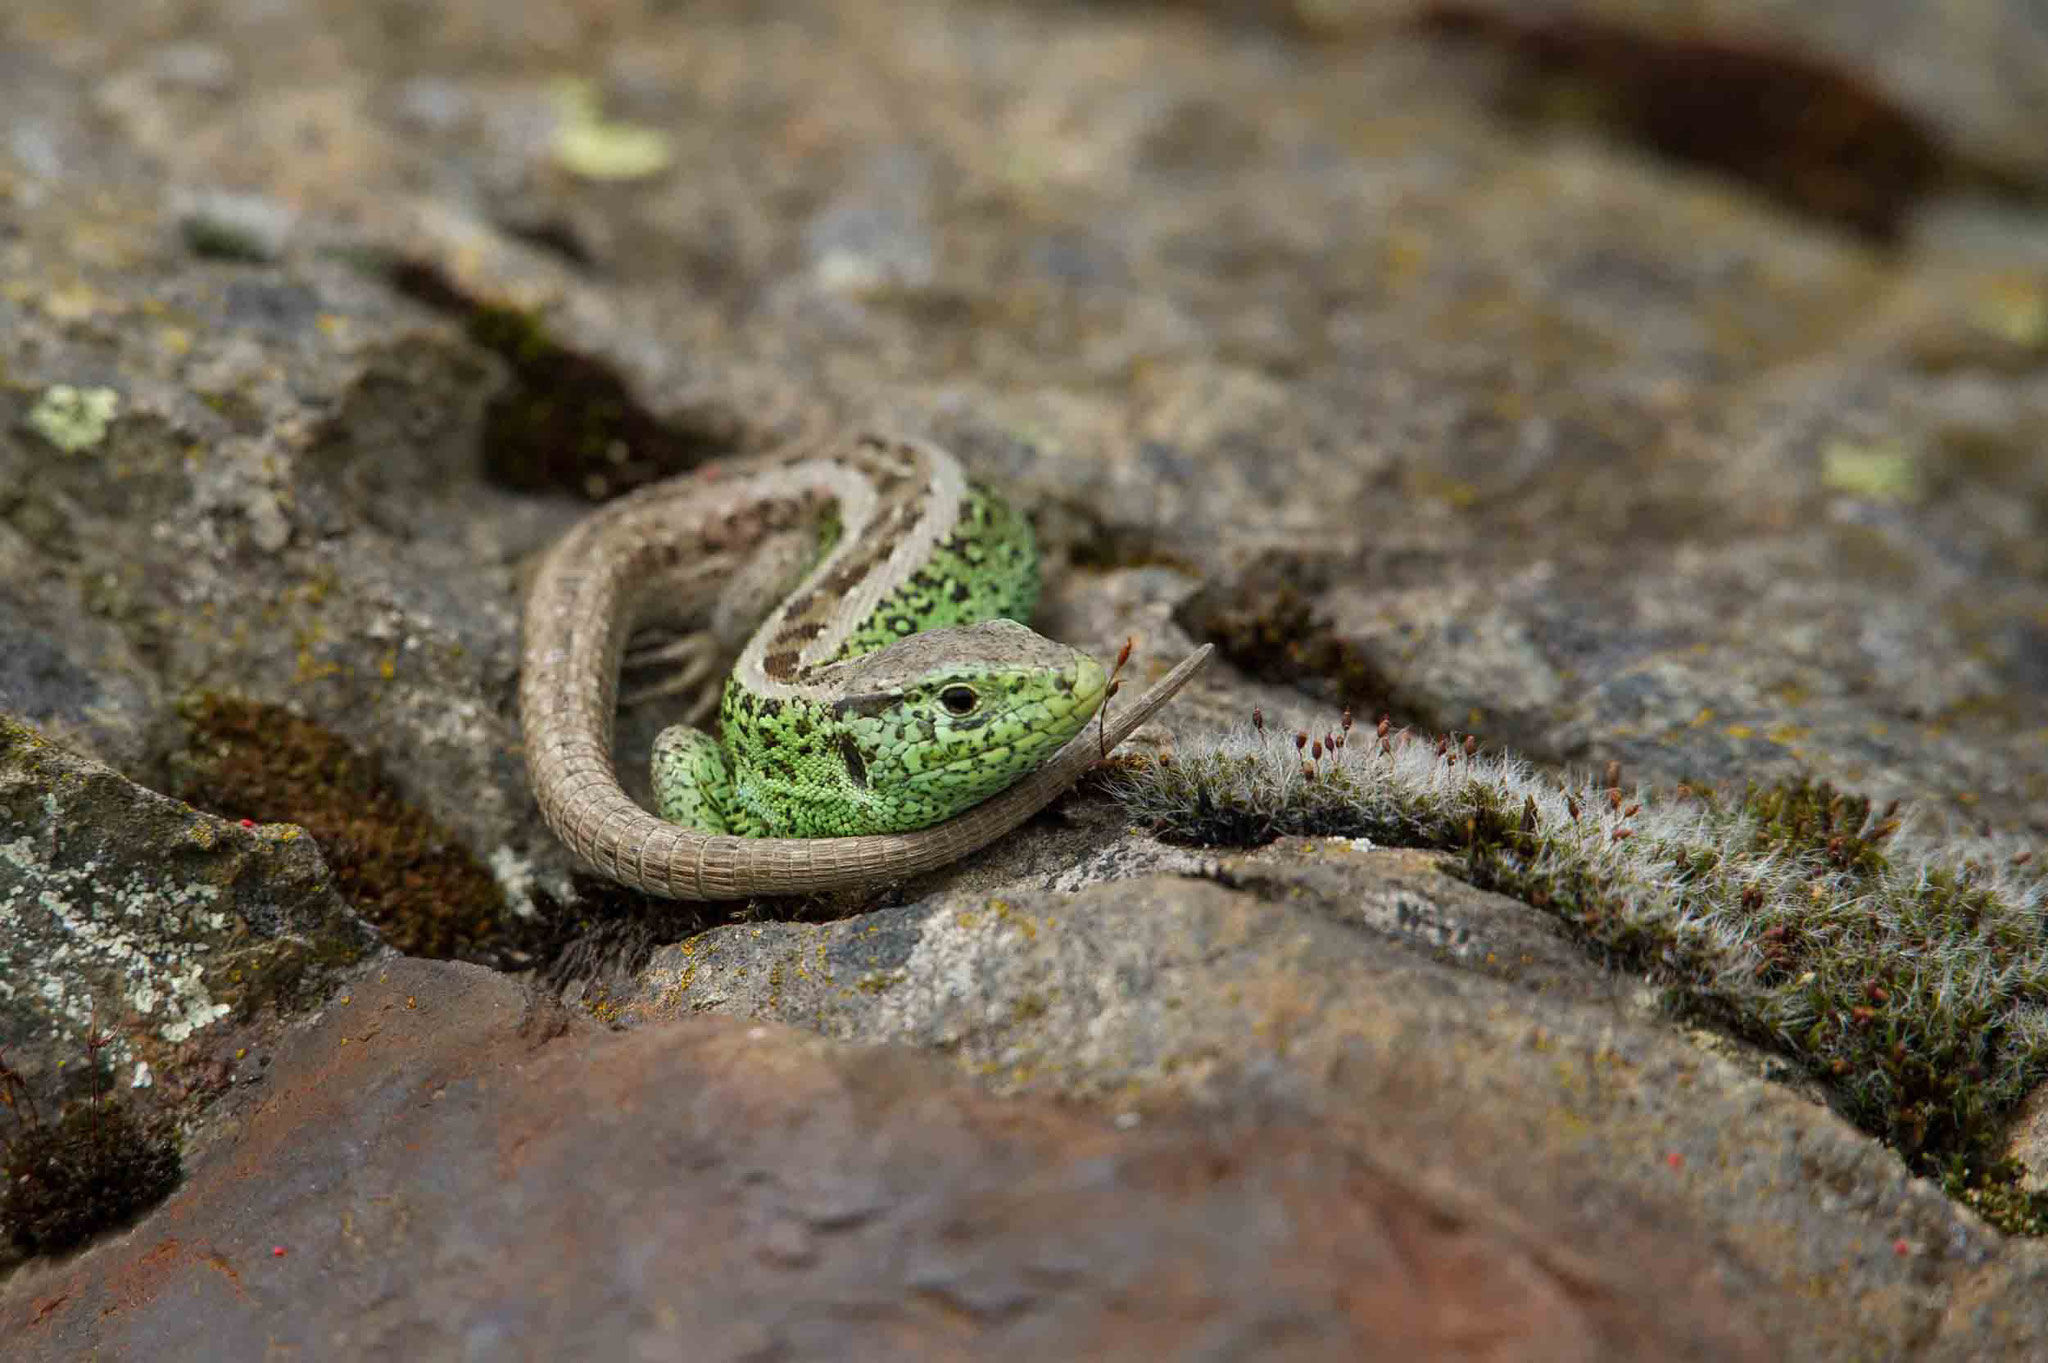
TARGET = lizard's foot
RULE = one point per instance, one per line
(691, 780)
(692, 663)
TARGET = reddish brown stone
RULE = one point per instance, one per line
(426, 1177)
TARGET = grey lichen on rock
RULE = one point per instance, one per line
(126, 910)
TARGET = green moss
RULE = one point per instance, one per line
(404, 872)
(597, 148)
(1808, 819)
(239, 409)
(1880, 472)
(1995, 1193)
(215, 238)
(1910, 977)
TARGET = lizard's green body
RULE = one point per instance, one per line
(837, 718)
(845, 715)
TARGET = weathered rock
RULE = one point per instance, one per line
(1573, 359)
(1509, 428)
(1376, 991)
(73, 677)
(433, 1170)
(133, 916)
(1975, 76)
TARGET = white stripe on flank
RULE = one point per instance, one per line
(853, 488)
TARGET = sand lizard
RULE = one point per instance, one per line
(885, 719)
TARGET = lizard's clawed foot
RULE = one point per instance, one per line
(692, 663)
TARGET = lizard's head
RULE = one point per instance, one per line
(937, 723)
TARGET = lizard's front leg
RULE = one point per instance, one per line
(692, 783)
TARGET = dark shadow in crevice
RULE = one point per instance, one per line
(566, 421)
(1814, 138)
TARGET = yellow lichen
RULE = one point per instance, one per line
(74, 419)
(596, 148)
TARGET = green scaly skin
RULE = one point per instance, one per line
(909, 728)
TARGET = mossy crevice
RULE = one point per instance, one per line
(1265, 620)
(1908, 975)
(605, 934)
(1816, 139)
(565, 420)
(95, 1167)
(400, 868)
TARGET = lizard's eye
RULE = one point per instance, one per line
(959, 700)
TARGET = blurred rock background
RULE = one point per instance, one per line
(1653, 383)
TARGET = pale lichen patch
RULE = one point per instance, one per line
(74, 419)
(148, 937)
(127, 914)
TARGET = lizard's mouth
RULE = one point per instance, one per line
(1059, 713)
(1089, 682)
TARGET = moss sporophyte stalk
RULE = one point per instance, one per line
(1907, 972)
(90, 1167)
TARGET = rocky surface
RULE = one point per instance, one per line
(1369, 986)
(1321, 338)
(127, 913)
(731, 1190)
(1919, 91)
